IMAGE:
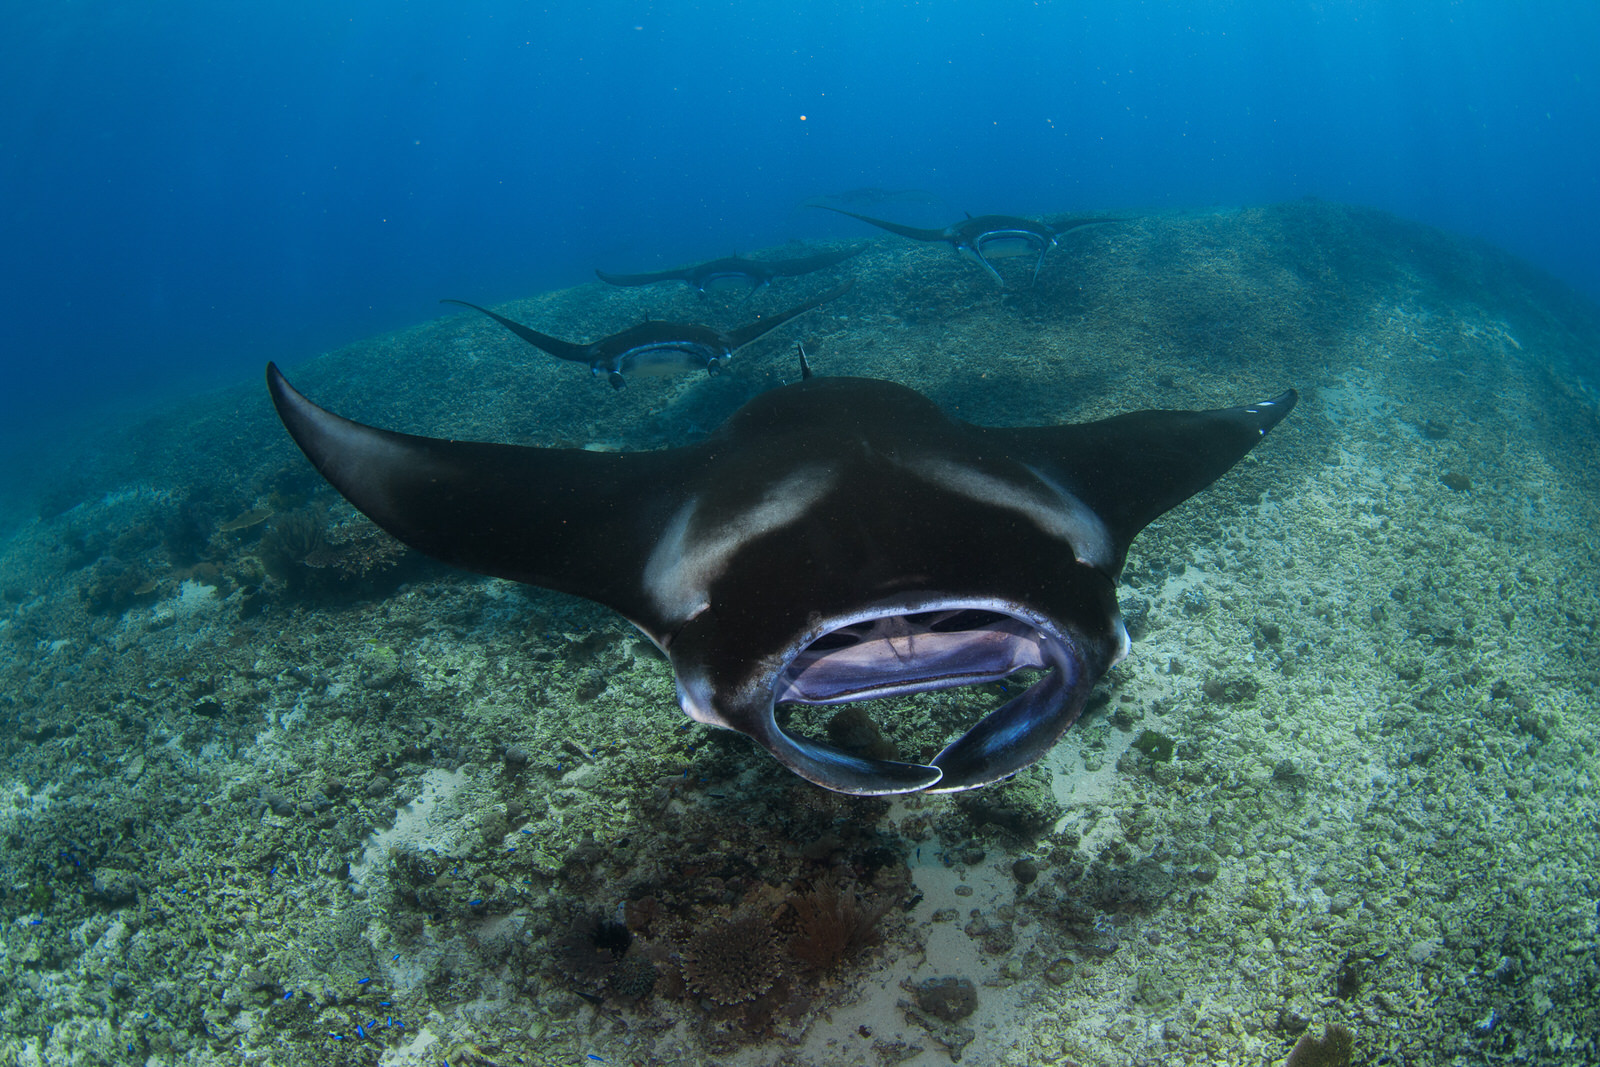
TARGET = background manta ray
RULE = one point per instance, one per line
(735, 271)
(654, 347)
(987, 237)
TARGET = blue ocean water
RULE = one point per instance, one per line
(192, 188)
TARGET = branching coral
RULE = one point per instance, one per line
(356, 550)
(313, 559)
(733, 960)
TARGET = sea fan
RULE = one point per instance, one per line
(831, 925)
(589, 950)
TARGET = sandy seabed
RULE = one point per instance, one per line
(278, 792)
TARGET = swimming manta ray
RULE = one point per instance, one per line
(655, 348)
(837, 539)
(735, 271)
(987, 237)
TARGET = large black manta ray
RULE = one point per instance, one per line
(837, 539)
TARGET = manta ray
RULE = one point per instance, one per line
(657, 348)
(987, 237)
(735, 271)
(835, 540)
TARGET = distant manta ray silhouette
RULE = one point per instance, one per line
(656, 348)
(987, 236)
(734, 271)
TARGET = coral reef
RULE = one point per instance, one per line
(949, 998)
(591, 949)
(318, 561)
(1332, 1049)
(259, 808)
(832, 925)
(732, 960)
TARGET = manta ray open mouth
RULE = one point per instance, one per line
(941, 648)
(947, 646)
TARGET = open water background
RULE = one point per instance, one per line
(191, 188)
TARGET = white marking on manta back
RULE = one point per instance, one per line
(687, 559)
(1047, 505)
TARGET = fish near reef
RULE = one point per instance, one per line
(834, 540)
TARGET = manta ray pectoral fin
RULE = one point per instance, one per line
(916, 233)
(840, 771)
(1131, 468)
(1072, 224)
(568, 519)
(1015, 734)
(740, 336)
(648, 278)
(553, 345)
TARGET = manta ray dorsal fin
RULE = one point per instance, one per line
(1132, 468)
(568, 519)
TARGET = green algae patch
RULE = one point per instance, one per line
(1155, 746)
